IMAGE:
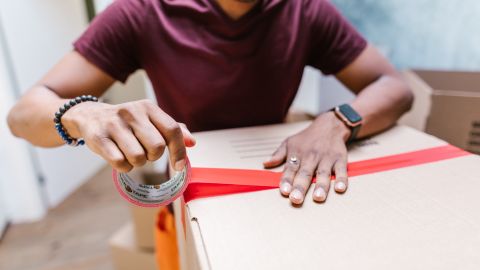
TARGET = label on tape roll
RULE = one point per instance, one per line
(152, 195)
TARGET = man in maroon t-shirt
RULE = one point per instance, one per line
(216, 64)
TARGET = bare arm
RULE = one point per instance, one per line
(126, 135)
(382, 96)
(32, 117)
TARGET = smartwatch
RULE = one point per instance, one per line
(350, 118)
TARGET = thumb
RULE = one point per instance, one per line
(187, 136)
(277, 158)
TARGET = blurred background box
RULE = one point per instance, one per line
(144, 225)
(127, 255)
(447, 105)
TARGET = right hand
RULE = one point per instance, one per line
(130, 134)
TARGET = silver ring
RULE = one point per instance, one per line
(293, 160)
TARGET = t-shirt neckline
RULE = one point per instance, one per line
(233, 22)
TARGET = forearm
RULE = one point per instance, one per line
(381, 104)
(32, 117)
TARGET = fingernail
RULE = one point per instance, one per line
(296, 196)
(285, 188)
(179, 165)
(340, 187)
(319, 195)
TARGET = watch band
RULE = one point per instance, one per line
(350, 118)
(354, 133)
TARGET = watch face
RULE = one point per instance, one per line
(350, 113)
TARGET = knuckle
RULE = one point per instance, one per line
(119, 163)
(291, 167)
(312, 154)
(334, 156)
(137, 159)
(125, 168)
(173, 128)
(305, 173)
(179, 153)
(158, 146)
(126, 113)
(341, 166)
(323, 172)
(341, 155)
(156, 150)
(286, 180)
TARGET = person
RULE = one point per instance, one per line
(215, 64)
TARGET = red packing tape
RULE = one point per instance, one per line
(209, 182)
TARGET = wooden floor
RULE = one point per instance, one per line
(73, 236)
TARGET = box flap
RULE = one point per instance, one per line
(453, 81)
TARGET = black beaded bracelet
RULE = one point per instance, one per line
(61, 111)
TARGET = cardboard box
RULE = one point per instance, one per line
(126, 255)
(447, 105)
(418, 217)
(143, 219)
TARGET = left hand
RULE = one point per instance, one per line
(319, 150)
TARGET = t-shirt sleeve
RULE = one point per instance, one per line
(110, 42)
(335, 42)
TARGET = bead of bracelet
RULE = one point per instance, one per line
(57, 119)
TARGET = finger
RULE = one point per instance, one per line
(128, 144)
(150, 138)
(286, 182)
(341, 179)
(172, 133)
(278, 157)
(303, 179)
(109, 151)
(323, 175)
(189, 140)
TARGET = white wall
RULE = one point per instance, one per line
(308, 96)
(319, 93)
(3, 216)
(20, 194)
(100, 5)
(38, 34)
(333, 93)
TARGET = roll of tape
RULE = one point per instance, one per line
(152, 195)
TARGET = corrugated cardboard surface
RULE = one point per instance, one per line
(126, 255)
(421, 217)
(447, 105)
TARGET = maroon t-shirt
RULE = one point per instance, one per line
(210, 71)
